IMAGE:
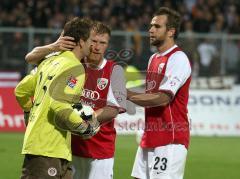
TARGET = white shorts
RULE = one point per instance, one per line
(89, 168)
(165, 162)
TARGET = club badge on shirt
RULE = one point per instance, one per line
(160, 67)
(72, 81)
(102, 83)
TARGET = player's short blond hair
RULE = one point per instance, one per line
(101, 28)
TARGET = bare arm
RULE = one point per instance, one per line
(149, 100)
(63, 43)
(106, 114)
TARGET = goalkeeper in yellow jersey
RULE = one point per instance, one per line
(56, 86)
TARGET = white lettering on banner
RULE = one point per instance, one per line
(214, 100)
(130, 124)
(212, 112)
(136, 125)
(223, 82)
(11, 120)
(89, 94)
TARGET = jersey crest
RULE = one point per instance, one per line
(160, 67)
(102, 83)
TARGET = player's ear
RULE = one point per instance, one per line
(171, 32)
(81, 43)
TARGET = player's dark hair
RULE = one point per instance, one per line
(174, 19)
(101, 28)
(78, 28)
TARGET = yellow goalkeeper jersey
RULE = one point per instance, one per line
(56, 84)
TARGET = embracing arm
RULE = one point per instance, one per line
(63, 43)
(177, 72)
(149, 100)
(106, 114)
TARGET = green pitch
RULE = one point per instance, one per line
(208, 158)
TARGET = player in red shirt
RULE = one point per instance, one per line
(105, 92)
(163, 147)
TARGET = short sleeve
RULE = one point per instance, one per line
(177, 72)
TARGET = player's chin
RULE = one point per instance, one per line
(95, 56)
(156, 43)
(152, 41)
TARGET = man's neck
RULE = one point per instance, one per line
(167, 45)
(77, 54)
(94, 63)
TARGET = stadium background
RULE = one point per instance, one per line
(209, 35)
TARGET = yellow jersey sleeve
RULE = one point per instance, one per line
(65, 90)
(24, 91)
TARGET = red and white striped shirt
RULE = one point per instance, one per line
(169, 72)
(104, 86)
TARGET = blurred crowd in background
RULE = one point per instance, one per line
(199, 16)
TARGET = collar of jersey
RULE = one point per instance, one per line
(101, 66)
(167, 51)
(71, 55)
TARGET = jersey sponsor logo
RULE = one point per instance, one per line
(72, 81)
(89, 103)
(151, 85)
(90, 94)
(52, 171)
(102, 83)
(160, 67)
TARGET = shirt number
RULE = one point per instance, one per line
(160, 163)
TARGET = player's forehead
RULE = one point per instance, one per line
(99, 37)
(160, 20)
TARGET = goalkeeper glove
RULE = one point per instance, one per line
(90, 125)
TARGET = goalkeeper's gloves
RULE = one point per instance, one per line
(90, 125)
(84, 111)
(87, 129)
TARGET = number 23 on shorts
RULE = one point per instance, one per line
(168, 162)
(160, 164)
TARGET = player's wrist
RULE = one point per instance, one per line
(53, 47)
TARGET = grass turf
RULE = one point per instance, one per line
(208, 157)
